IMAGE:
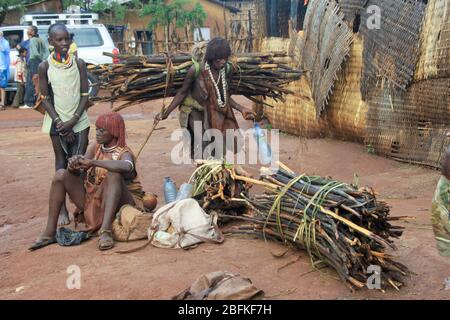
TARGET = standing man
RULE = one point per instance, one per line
(38, 52)
(4, 69)
(205, 98)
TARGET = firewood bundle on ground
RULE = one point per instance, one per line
(138, 78)
(215, 188)
(339, 226)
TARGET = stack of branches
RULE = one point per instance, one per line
(215, 188)
(339, 225)
(138, 78)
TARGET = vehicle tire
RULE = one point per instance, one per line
(93, 85)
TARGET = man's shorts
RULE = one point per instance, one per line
(4, 75)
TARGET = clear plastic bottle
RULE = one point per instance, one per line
(170, 190)
(264, 151)
(185, 191)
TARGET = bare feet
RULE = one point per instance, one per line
(63, 219)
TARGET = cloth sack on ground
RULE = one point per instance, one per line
(68, 237)
(182, 224)
(440, 216)
(221, 285)
(131, 224)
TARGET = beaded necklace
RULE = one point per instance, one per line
(60, 61)
(222, 75)
(110, 149)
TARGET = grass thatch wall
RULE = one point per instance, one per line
(344, 116)
(346, 111)
(410, 126)
(297, 115)
(407, 125)
(434, 60)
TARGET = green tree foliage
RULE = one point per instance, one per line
(163, 14)
(197, 16)
(81, 3)
(173, 15)
(115, 10)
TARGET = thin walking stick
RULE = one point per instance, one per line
(169, 79)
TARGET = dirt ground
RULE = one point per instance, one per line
(27, 166)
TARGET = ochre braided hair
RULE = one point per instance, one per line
(113, 122)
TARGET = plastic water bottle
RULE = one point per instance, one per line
(264, 151)
(185, 191)
(170, 190)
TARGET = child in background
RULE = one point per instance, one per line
(20, 78)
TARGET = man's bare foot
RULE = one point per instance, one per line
(63, 219)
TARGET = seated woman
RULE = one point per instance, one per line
(98, 183)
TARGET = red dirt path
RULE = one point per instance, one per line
(27, 167)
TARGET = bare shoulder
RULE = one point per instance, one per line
(81, 63)
(43, 66)
(191, 72)
(126, 156)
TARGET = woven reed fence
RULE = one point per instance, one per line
(346, 112)
(296, 115)
(434, 60)
(410, 126)
(407, 125)
(391, 50)
(327, 45)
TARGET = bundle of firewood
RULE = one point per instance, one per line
(138, 78)
(339, 225)
(215, 188)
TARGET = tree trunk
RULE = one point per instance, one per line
(166, 35)
(2, 17)
(186, 33)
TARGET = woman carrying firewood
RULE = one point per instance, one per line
(204, 97)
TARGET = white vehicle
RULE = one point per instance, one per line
(91, 39)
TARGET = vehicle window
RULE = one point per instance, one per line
(87, 37)
(14, 37)
(43, 34)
